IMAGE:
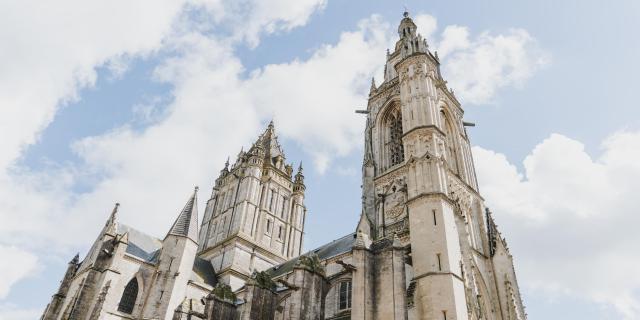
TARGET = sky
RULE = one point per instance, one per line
(137, 102)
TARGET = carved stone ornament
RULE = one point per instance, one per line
(386, 178)
(394, 212)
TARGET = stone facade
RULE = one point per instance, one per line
(426, 247)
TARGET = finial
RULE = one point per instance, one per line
(196, 189)
(406, 12)
(112, 217)
(388, 52)
(226, 164)
(300, 167)
(271, 123)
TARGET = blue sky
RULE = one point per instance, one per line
(136, 102)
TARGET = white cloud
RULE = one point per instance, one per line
(454, 38)
(51, 50)
(17, 264)
(427, 24)
(478, 68)
(571, 218)
(314, 101)
(12, 312)
(267, 17)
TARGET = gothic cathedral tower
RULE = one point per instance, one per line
(419, 183)
(255, 217)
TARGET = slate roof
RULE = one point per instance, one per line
(147, 248)
(324, 252)
(204, 270)
(141, 245)
(187, 222)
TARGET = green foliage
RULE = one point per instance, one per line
(311, 263)
(263, 280)
(224, 292)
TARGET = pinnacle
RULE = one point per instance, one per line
(186, 224)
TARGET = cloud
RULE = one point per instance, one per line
(581, 212)
(17, 265)
(314, 101)
(51, 51)
(12, 312)
(477, 67)
(257, 17)
(427, 24)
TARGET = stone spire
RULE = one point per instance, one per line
(186, 225)
(110, 225)
(268, 149)
(373, 89)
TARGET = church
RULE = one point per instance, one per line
(425, 247)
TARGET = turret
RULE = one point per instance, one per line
(298, 182)
(406, 29)
(175, 263)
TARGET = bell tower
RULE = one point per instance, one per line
(417, 170)
(255, 217)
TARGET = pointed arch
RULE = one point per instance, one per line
(483, 304)
(450, 145)
(129, 296)
(389, 131)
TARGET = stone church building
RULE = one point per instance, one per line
(425, 247)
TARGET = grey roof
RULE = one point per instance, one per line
(324, 252)
(204, 270)
(147, 248)
(187, 222)
(141, 245)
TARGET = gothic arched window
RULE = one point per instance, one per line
(452, 156)
(344, 295)
(396, 149)
(128, 300)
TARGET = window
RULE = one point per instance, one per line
(452, 157)
(271, 200)
(396, 149)
(439, 262)
(268, 231)
(280, 233)
(128, 300)
(284, 204)
(344, 298)
(224, 220)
